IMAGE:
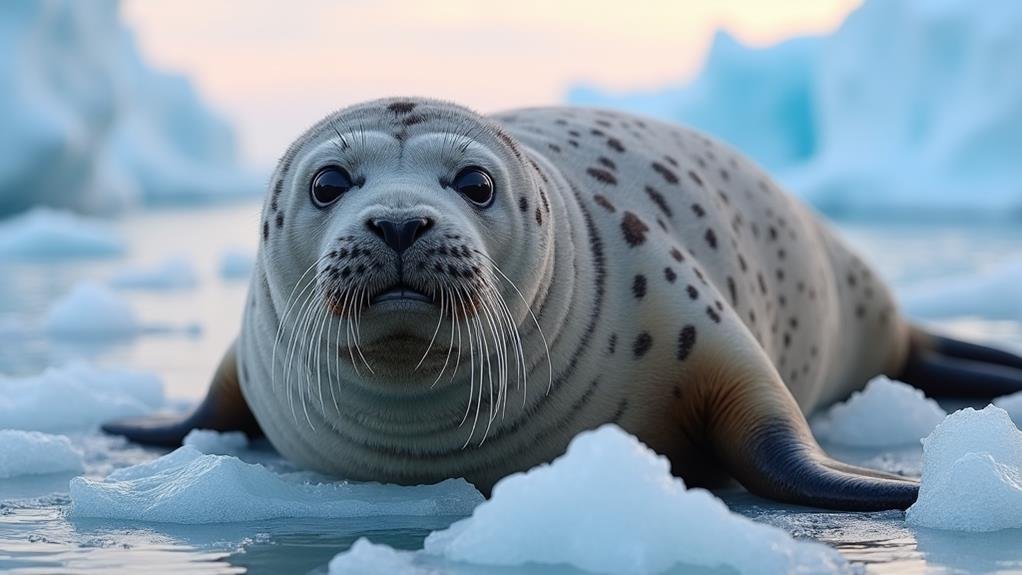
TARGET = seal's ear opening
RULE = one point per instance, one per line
(223, 409)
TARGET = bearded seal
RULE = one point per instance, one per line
(441, 294)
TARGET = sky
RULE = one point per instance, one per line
(274, 68)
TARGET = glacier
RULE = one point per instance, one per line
(89, 126)
(912, 108)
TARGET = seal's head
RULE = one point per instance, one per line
(403, 236)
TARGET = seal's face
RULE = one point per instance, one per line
(402, 234)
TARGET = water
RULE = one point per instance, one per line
(36, 536)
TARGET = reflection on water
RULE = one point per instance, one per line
(37, 537)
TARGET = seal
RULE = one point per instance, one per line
(444, 294)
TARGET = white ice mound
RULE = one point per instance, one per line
(91, 310)
(610, 505)
(236, 264)
(76, 397)
(910, 108)
(187, 486)
(34, 453)
(45, 234)
(215, 442)
(972, 474)
(173, 273)
(1013, 405)
(89, 126)
(885, 414)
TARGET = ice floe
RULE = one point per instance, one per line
(885, 414)
(215, 442)
(76, 397)
(188, 486)
(236, 264)
(88, 125)
(173, 273)
(91, 310)
(609, 505)
(35, 453)
(46, 234)
(972, 474)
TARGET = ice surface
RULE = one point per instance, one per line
(76, 397)
(173, 273)
(187, 486)
(610, 505)
(34, 453)
(885, 414)
(909, 108)
(236, 264)
(88, 125)
(216, 443)
(972, 474)
(1013, 405)
(991, 294)
(91, 310)
(48, 234)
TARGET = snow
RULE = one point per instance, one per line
(885, 414)
(89, 126)
(173, 273)
(187, 486)
(91, 310)
(910, 108)
(972, 474)
(215, 442)
(236, 264)
(610, 505)
(47, 234)
(76, 397)
(34, 453)
(1013, 405)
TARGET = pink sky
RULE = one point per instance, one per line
(274, 67)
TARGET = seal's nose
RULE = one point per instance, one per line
(400, 235)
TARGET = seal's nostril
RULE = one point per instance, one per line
(400, 235)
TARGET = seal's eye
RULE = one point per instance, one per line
(475, 184)
(328, 184)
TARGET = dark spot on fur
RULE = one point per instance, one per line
(686, 341)
(607, 162)
(713, 314)
(669, 275)
(733, 289)
(615, 144)
(634, 229)
(711, 239)
(639, 286)
(413, 119)
(604, 203)
(523, 204)
(401, 107)
(698, 210)
(643, 342)
(669, 176)
(659, 200)
(695, 178)
(602, 175)
(693, 293)
(266, 230)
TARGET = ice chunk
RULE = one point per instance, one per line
(76, 397)
(170, 274)
(1013, 405)
(215, 442)
(885, 414)
(236, 264)
(50, 234)
(187, 486)
(91, 310)
(89, 126)
(972, 474)
(366, 557)
(610, 505)
(34, 453)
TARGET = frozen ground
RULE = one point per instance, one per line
(38, 532)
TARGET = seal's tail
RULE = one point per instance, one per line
(942, 366)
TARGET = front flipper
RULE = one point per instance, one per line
(758, 432)
(223, 409)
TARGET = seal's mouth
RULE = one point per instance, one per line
(401, 291)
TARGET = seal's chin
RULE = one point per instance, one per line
(401, 292)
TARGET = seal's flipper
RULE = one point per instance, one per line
(223, 409)
(757, 431)
(941, 366)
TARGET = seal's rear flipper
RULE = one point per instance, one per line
(759, 434)
(223, 409)
(942, 366)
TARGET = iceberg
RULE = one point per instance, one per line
(972, 474)
(911, 108)
(173, 273)
(47, 234)
(885, 414)
(236, 264)
(76, 397)
(89, 126)
(34, 453)
(91, 310)
(609, 505)
(188, 486)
